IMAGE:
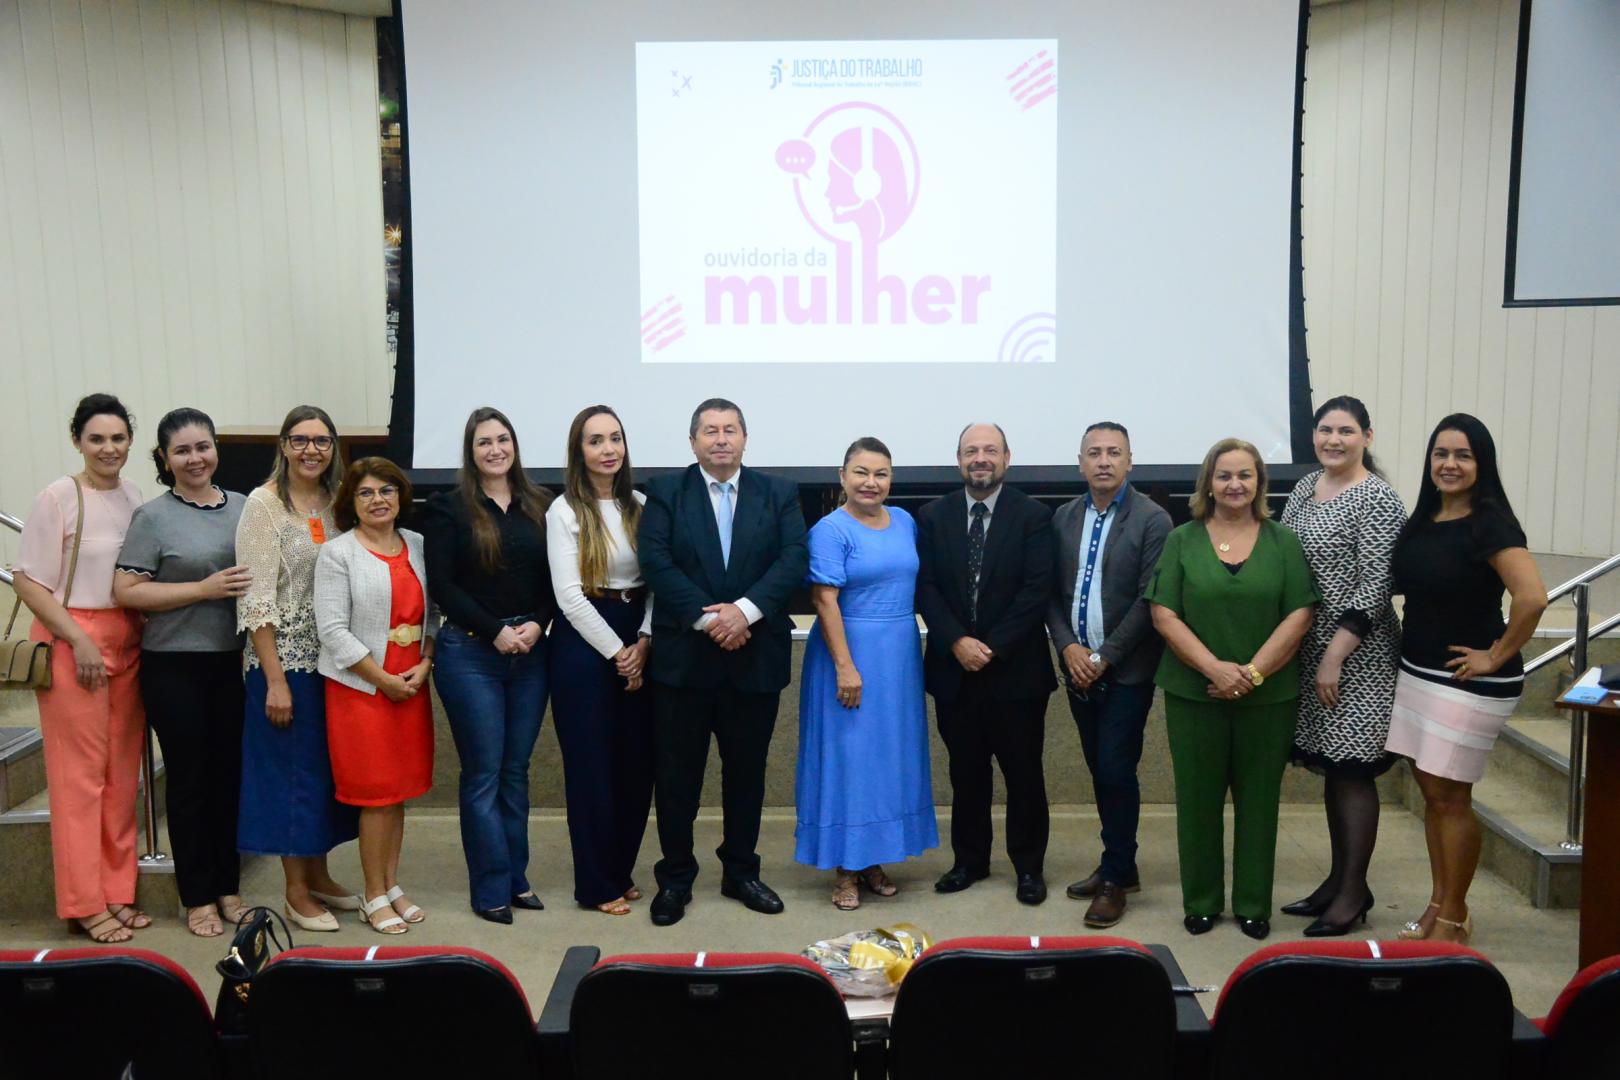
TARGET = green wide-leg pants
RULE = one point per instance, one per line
(1215, 746)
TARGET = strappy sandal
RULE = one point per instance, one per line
(232, 913)
(412, 914)
(633, 892)
(103, 929)
(846, 893)
(614, 907)
(1458, 933)
(391, 925)
(137, 919)
(876, 881)
(204, 921)
(1413, 931)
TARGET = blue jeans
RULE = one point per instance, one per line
(1111, 719)
(495, 704)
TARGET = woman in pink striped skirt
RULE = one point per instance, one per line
(1461, 674)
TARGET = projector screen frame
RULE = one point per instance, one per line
(1520, 81)
(402, 414)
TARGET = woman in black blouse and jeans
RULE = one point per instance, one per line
(486, 557)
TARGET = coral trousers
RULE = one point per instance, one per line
(92, 763)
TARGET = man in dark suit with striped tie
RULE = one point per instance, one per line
(722, 548)
(987, 559)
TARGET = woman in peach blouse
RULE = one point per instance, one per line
(91, 716)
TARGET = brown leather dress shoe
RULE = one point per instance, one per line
(1087, 888)
(1107, 907)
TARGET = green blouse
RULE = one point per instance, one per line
(1232, 614)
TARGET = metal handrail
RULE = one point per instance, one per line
(152, 855)
(1580, 588)
(15, 524)
(1585, 577)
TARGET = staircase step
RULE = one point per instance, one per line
(28, 888)
(1521, 832)
(22, 765)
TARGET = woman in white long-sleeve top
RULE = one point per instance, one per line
(598, 650)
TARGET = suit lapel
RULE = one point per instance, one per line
(699, 512)
(748, 520)
(956, 544)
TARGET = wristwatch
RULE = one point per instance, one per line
(1095, 658)
(1254, 675)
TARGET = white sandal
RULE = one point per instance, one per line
(384, 926)
(412, 914)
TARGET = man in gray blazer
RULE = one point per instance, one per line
(1109, 542)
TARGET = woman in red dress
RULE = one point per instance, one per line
(372, 611)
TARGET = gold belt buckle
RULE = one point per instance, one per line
(403, 635)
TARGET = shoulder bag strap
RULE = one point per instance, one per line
(73, 560)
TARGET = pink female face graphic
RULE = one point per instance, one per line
(866, 182)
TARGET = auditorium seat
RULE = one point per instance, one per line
(1357, 1009)
(1583, 1029)
(101, 1014)
(1034, 1006)
(389, 1013)
(716, 1015)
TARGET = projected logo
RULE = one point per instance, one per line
(855, 180)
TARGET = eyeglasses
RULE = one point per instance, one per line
(387, 491)
(323, 443)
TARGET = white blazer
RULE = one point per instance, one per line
(353, 597)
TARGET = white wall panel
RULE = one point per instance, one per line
(1408, 129)
(190, 213)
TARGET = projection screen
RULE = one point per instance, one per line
(854, 219)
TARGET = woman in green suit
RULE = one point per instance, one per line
(1232, 597)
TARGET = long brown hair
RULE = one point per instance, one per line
(581, 495)
(280, 476)
(530, 498)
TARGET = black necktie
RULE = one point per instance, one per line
(975, 559)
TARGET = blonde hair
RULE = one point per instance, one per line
(1203, 506)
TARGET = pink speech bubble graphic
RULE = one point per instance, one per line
(796, 156)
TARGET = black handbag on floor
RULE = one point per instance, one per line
(251, 949)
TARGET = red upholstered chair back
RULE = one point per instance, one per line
(91, 1013)
(1390, 1009)
(395, 1012)
(1023, 1006)
(718, 1015)
(1584, 1025)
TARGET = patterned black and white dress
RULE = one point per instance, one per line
(1349, 541)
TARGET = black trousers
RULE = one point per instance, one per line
(741, 725)
(606, 735)
(975, 728)
(194, 703)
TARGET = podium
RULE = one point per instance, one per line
(1600, 850)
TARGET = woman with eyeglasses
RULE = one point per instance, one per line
(288, 806)
(373, 615)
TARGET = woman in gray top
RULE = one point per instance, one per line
(178, 564)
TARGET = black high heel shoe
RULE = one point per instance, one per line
(1303, 907)
(1323, 928)
(1259, 929)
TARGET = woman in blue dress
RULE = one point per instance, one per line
(865, 795)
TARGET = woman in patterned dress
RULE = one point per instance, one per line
(288, 806)
(1348, 519)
